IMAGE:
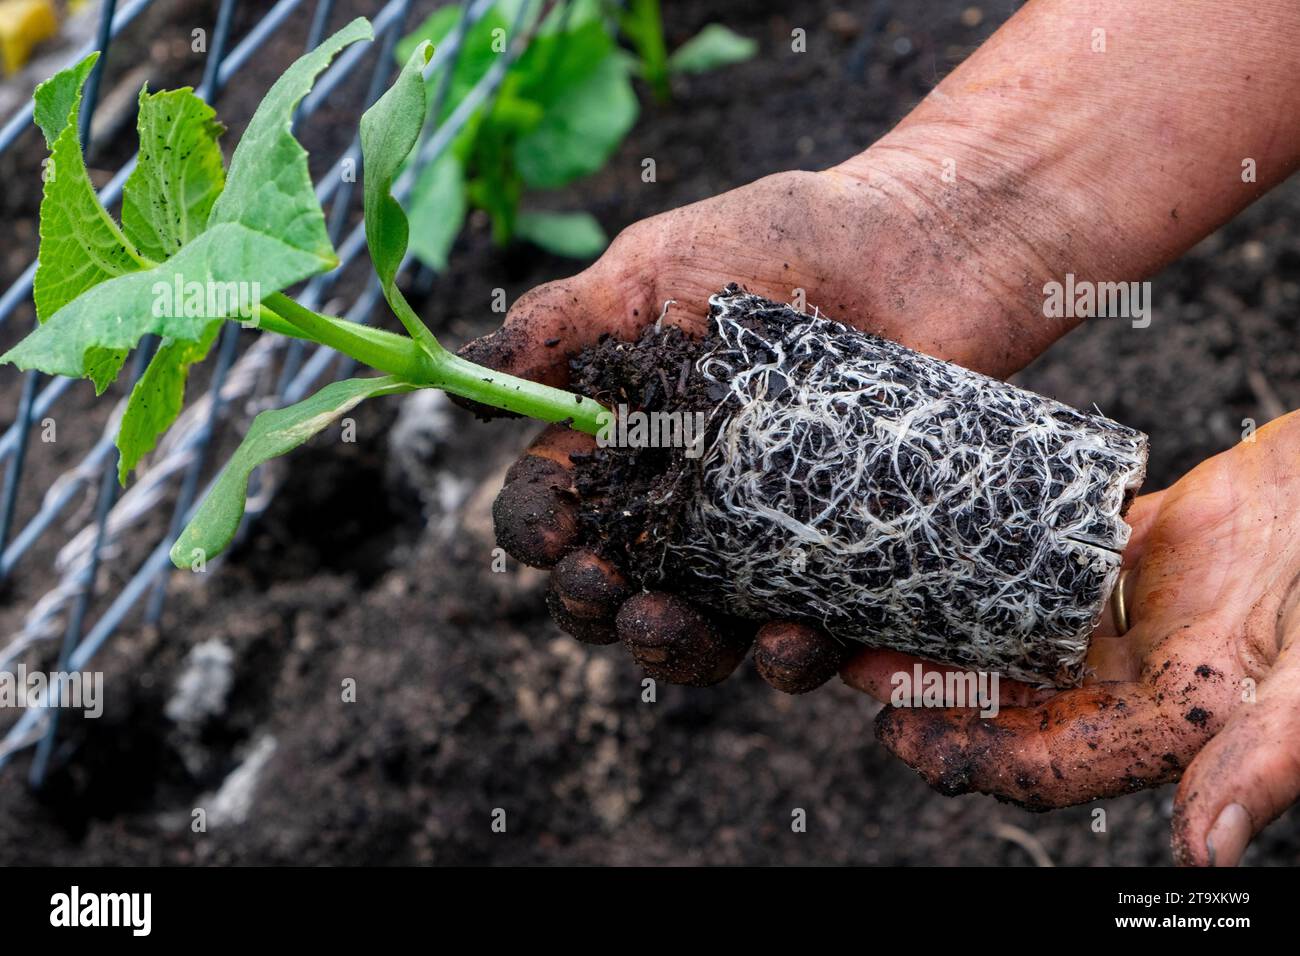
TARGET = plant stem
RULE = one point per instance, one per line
(477, 383)
(645, 25)
(433, 366)
(394, 354)
(269, 321)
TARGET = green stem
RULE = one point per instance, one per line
(393, 354)
(477, 383)
(432, 366)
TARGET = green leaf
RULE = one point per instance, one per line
(265, 233)
(581, 129)
(269, 188)
(389, 130)
(497, 186)
(179, 175)
(713, 47)
(437, 210)
(574, 13)
(158, 398)
(165, 204)
(435, 28)
(81, 245)
(497, 193)
(553, 65)
(232, 265)
(57, 101)
(272, 433)
(576, 234)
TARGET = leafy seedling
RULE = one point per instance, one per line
(712, 48)
(200, 245)
(562, 109)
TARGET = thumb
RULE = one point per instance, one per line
(551, 323)
(1245, 777)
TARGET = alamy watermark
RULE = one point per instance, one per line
(207, 299)
(73, 690)
(1082, 299)
(622, 428)
(922, 688)
(76, 908)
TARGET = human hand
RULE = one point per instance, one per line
(1205, 685)
(940, 236)
(848, 240)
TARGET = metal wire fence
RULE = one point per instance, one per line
(271, 371)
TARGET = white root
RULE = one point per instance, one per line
(900, 500)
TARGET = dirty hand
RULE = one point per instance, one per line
(940, 236)
(1204, 685)
(847, 238)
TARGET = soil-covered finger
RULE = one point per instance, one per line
(674, 642)
(796, 658)
(1098, 741)
(536, 512)
(585, 595)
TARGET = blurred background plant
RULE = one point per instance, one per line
(563, 109)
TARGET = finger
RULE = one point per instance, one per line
(796, 658)
(674, 642)
(536, 512)
(1083, 744)
(584, 597)
(1246, 776)
(884, 673)
(1141, 516)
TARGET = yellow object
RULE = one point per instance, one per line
(23, 24)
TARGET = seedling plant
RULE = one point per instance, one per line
(563, 109)
(199, 245)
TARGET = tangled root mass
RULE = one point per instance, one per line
(891, 497)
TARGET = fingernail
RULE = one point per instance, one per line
(1229, 836)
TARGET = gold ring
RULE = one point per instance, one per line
(1118, 607)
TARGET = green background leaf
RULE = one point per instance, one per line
(476, 55)
(581, 128)
(574, 234)
(713, 47)
(437, 210)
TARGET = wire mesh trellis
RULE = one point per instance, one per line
(178, 464)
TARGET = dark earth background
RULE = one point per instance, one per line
(373, 563)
